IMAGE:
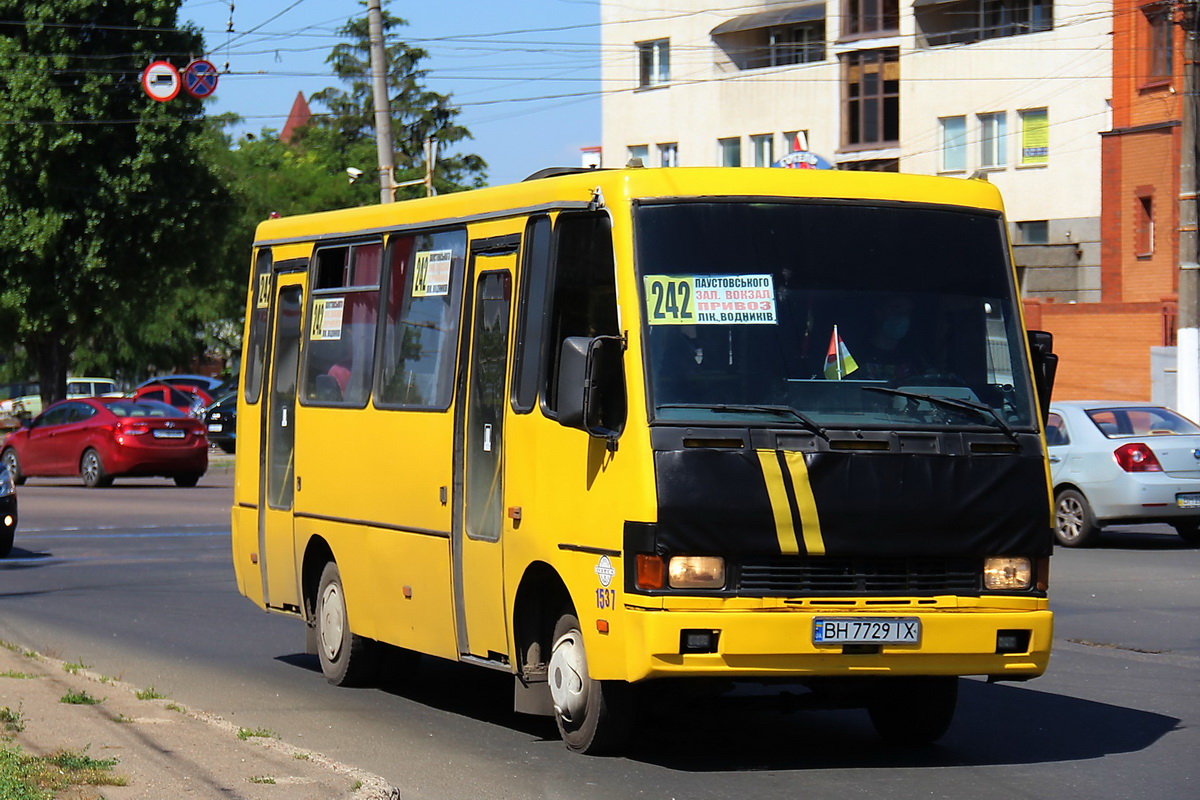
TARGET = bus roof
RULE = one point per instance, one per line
(616, 186)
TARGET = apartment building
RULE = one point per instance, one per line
(1017, 89)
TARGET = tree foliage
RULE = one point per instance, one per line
(108, 206)
(416, 111)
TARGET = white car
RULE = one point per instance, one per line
(1120, 462)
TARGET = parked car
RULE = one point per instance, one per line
(103, 438)
(8, 510)
(221, 420)
(25, 400)
(213, 386)
(191, 400)
(1114, 462)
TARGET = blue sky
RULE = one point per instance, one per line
(490, 55)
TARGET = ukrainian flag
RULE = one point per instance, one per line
(838, 361)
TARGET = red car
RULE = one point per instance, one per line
(189, 399)
(101, 438)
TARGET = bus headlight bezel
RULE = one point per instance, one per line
(1007, 573)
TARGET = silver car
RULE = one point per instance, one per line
(1118, 462)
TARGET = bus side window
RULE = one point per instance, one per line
(339, 359)
(583, 300)
(420, 335)
(535, 272)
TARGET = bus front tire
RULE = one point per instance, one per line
(913, 711)
(346, 658)
(593, 717)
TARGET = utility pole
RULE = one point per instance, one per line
(383, 114)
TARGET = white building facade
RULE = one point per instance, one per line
(1017, 88)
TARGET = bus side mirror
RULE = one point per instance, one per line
(591, 391)
(1045, 365)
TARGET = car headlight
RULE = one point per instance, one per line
(1012, 573)
(696, 572)
(7, 486)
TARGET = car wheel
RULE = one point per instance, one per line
(187, 481)
(346, 658)
(913, 710)
(1188, 531)
(228, 447)
(6, 542)
(593, 717)
(1074, 525)
(91, 469)
(14, 466)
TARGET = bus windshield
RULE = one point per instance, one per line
(830, 314)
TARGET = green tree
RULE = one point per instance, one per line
(111, 208)
(416, 111)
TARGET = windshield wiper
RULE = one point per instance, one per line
(750, 408)
(954, 402)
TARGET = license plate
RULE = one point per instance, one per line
(216, 427)
(1191, 500)
(873, 630)
(169, 434)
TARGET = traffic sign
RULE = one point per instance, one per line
(200, 78)
(161, 81)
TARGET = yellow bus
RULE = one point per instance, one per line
(607, 430)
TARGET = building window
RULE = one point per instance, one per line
(954, 144)
(668, 155)
(774, 38)
(764, 149)
(654, 63)
(1162, 29)
(1035, 136)
(962, 21)
(871, 17)
(640, 152)
(1034, 231)
(1143, 234)
(992, 149)
(1014, 17)
(872, 80)
(731, 152)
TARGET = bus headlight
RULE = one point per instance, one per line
(1007, 573)
(696, 572)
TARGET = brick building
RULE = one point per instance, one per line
(1105, 347)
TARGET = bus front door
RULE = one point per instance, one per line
(276, 539)
(479, 523)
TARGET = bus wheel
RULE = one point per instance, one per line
(913, 710)
(593, 716)
(1074, 525)
(346, 659)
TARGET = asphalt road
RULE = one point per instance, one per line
(136, 582)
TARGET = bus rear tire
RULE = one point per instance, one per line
(913, 711)
(593, 717)
(346, 658)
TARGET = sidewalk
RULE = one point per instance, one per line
(163, 750)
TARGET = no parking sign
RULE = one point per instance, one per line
(200, 78)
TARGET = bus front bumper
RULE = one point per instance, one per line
(779, 645)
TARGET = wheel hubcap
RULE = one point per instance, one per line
(568, 681)
(90, 467)
(332, 621)
(1070, 518)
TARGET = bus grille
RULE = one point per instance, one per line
(824, 575)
